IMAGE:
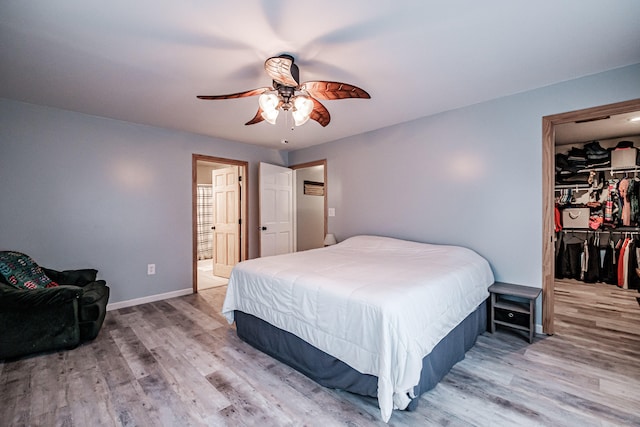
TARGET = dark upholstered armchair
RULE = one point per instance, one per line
(69, 310)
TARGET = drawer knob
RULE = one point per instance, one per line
(510, 314)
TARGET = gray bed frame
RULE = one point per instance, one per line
(330, 372)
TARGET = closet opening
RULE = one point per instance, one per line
(562, 136)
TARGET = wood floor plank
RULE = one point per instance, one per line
(165, 404)
(248, 405)
(58, 417)
(178, 363)
(203, 319)
(89, 399)
(132, 407)
(45, 392)
(194, 390)
(624, 413)
(278, 390)
(135, 354)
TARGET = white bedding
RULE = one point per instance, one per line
(376, 303)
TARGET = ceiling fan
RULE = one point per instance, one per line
(288, 94)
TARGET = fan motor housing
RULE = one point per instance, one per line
(286, 93)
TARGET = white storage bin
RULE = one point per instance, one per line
(575, 217)
(624, 157)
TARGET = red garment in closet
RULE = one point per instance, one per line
(622, 271)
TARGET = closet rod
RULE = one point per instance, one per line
(572, 187)
(588, 230)
(610, 169)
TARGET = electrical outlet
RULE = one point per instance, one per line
(151, 269)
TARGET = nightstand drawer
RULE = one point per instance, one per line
(512, 317)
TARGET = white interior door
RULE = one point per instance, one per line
(226, 224)
(276, 210)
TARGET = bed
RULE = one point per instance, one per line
(373, 315)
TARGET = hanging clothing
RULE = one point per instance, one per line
(608, 273)
(572, 261)
(633, 281)
(584, 259)
(594, 257)
(592, 270)
(634, 203)
(557, 219)
(625, 214)
(621, 264)
(571, 256)
(612, 205)
(625, 265)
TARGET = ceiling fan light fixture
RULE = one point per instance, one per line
(269, 101)
(270, 116)
(302, 108)
(269, 105)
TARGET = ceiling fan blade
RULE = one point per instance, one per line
(283, 70)
(333, 90)
(257, 119)
(319, 113)
(252, 92)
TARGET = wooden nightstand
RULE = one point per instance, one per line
(514, 306)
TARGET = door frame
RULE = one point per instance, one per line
(548, 181)
(322, 162)
(244, 211)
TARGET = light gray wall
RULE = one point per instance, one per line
(470, 177)
(83, 191)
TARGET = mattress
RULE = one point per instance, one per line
(378, 304)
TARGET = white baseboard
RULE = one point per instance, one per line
(151, 298)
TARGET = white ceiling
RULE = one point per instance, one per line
(607, 127)
(144, 61)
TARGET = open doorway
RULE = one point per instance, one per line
(549, 124)
(219, 206)
(311, 204)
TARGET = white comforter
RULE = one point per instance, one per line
(376, 303)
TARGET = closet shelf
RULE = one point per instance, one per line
(585, 186)
(572, 186)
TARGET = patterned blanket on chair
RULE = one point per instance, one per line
(21, 272)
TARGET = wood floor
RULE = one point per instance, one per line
(177, 363)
